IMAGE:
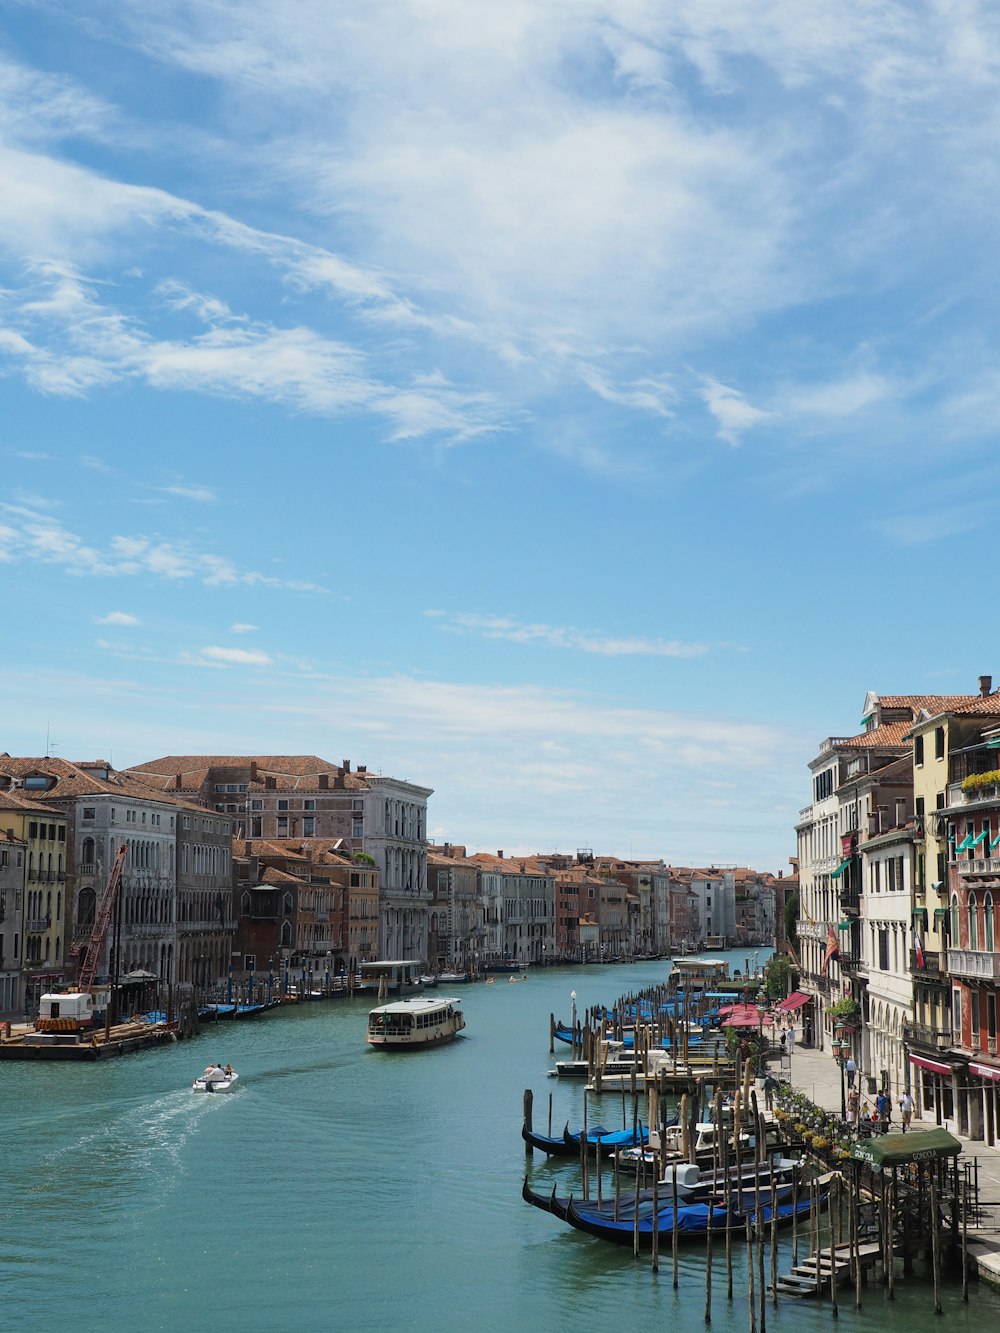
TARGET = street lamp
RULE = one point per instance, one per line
(840, 1046)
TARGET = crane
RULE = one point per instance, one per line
(102, 921)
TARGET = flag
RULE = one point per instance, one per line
(832, 950)
(921, 961)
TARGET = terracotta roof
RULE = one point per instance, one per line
(13, 800)
(71, 780)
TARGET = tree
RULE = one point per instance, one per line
(777, 971)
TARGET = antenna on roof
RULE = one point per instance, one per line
(48, 742)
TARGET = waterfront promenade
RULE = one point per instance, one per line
(816, 1074)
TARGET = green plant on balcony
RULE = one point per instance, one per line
(847, 1012)
(978, 781)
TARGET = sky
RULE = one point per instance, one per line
(573, 407)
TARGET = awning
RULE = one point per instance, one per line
(794, 1001)
(940, 912)
(978, 839)
(935, 1066)
(844, 925)
(965, 844)
(995, 843)
(899, 1149)
(920, 917)
(985, 1071)
(841, 868)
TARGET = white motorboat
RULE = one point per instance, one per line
(208, 1082)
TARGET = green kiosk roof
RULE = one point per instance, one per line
(919, 1145)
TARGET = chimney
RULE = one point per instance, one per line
(362, 768)
(346, 765)
(253, 770)
(177, 782)
(500, 854)
(270, 783)
(900, 811)
(985, 685)
(324, 782)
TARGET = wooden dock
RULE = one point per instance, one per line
(812, 1276)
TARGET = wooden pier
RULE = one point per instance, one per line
(813, 1275)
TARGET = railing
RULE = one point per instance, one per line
(988, 865)
(991, 1045)
(933, 1037)
(37, 923)
(812, 930)
(975, 964)
(931, 966)
(86, 868)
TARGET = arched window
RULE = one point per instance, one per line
(973, 913)
(87, 855)
(988, 923)
(286, 933)
(86, 907)
(953, 922)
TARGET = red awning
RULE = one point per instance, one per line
(746, 1016)
(935, 1066)
(986, 1071)
(794, 1001)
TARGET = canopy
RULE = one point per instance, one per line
(899, 1149)
(746, 1016)
(794, 1001)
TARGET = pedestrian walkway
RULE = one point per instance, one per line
(817, 1074)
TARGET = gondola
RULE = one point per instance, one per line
(691, 1220)
(567, 1144)
(744, 1200)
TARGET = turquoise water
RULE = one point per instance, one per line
(339, 1188)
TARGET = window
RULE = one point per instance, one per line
(220, 807)
(918, 750)
(988, 923)
(256, 805)
(250, 962)
(953, 920)
(282, 826)
(232, 787)
(282, 805)
(220, 787)
(823, 784)
(33, 829)
(308, 827)
(920, 808)
(255, 826)
(974, 1014)
(883, 949)
(939, 743)
(357, 828)
(308, 804)
(973, 916)
(956, 1011)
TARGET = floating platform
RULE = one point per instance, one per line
(125, 1038)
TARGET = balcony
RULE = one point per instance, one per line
(931, 970)
(812, 930)
(930, 1038)
(36, 924)
(974, 964)
(979, 865)
(850, 900)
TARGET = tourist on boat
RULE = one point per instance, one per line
(228, 1071)
(214, 1073)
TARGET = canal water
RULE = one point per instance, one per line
(341, 1187)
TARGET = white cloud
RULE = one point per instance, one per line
(203, 494)
(236, 656)
(28, 535)
(565, 636)
(241, 628)
(731, 410)
(117, 618)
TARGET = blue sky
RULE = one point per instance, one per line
(573, 408)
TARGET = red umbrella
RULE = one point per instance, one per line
(747, 1016)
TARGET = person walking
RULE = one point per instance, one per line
(883, 1109)
(906, 1109)
(853, 1106)
(850, 1069)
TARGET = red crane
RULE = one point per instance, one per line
(102, 921)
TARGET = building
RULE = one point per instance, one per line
(38, 939)
(457, 929)
(13, 861)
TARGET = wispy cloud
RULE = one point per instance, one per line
(235, 656)
(240, 627)
(117, 618)
(731, 410)
(565, 636)
(203, 494)
(27, 535)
